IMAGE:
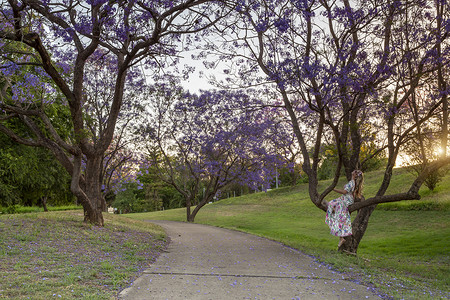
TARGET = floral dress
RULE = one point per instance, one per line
(338, 217)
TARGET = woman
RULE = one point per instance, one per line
(338, 217)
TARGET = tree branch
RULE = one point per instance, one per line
(411, 194)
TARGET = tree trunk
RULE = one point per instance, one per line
(442, 84)
(44, 203)
(92, 215)
(96, 202)
(197, 208)
(189, 217)
(359, 227)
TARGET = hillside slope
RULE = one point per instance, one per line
(406, 245)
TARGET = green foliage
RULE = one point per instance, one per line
(60, 116)
(420, 152)
(132, 200)
(329, 160)
(27, 174)
(151, 196)
(433, 178)
(10, 209)
(155, 190)
(125, 200)
(291, 177)
(414, 205)
(327, 168)
(233, 190)
(19, 209)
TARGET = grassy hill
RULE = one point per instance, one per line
(405, 251)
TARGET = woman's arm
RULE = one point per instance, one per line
(343, 192)
(347, 188)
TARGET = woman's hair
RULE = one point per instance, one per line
(359, 184)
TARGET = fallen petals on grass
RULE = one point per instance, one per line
(45, 255)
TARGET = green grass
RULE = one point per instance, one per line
(405, 251)
(19, 209)
(56, 255)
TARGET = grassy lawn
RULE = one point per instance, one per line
(405, 251)
(55, 255)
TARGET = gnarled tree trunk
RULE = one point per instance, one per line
(44, 203)
(359, 226)
(87, 188)
(93, 212)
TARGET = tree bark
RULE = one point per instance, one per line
(359, 227)
(95, 199)
(189, 217)
(92, 215)
(442, 85)
(44, 203)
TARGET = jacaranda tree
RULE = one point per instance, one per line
(346, 71)
(47, 48)
(202, 143)
(118, 160)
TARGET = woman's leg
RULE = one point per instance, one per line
(332, 204)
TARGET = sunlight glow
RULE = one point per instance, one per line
(402, 161)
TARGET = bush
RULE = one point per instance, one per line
(129, 200)
(433, 179)
(19, 209)
(412, 205)
(125, 201)
(10, 209)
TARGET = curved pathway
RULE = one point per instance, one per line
(205, 262)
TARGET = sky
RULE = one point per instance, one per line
(197, 81)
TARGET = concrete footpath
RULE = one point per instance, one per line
(205, 262)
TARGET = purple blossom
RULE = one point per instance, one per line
(282, 24)
(261, 26)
